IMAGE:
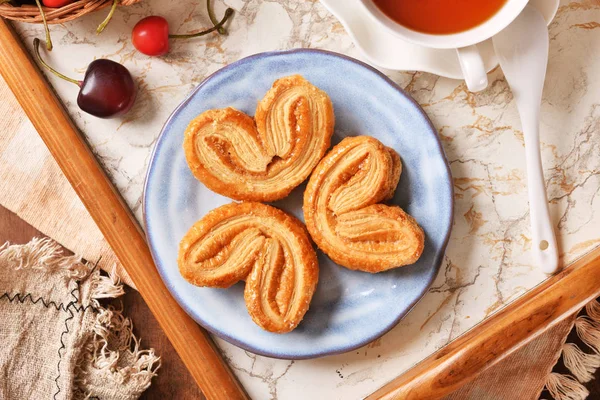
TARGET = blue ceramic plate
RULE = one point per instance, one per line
(350, 308)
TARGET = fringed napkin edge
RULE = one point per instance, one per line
(113, 340)
(582, 365)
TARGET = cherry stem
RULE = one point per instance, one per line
(228, 14)
(213, 17)
(43, 14)
(108, 17)
(36, 49)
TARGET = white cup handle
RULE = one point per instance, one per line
(472, 67)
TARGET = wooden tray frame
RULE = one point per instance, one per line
(437, 376)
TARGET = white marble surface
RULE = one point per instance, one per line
(487, 263)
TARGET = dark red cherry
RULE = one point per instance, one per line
(107, 89)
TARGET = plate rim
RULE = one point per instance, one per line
(316, 354)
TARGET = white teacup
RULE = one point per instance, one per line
(464, 42)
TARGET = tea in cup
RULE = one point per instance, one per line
(446, 24)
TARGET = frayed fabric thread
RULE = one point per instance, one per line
(112, 355)
(582, 365)
(43, 254)
(565, 387)
(106, 287)
(115, 352)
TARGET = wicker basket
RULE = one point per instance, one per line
(30, 13)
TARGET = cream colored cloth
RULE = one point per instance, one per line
(33, 187)
(56, 340)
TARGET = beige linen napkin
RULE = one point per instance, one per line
(57, 340)
(33, 187)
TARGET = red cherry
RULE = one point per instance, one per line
(151, 36)
(56, 3)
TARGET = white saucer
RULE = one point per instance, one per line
(385, 50)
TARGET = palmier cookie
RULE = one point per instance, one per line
(262, 245)
(343, 213)
(265, 158)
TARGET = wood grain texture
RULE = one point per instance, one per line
(113, 217)
(487, 343)
(173, 380)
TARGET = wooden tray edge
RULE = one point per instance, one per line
(482, 346)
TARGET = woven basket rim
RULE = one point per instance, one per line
(31, 14)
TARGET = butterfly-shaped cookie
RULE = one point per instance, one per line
(262, 245)
(265, 157)
(343, 210)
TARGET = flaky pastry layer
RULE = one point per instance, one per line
(265, 158)
(343, 213)
(262, 245)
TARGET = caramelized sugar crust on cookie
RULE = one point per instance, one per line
(262, 245)
(262, 158)
(343, 213)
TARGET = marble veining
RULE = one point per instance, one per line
(487, 264)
